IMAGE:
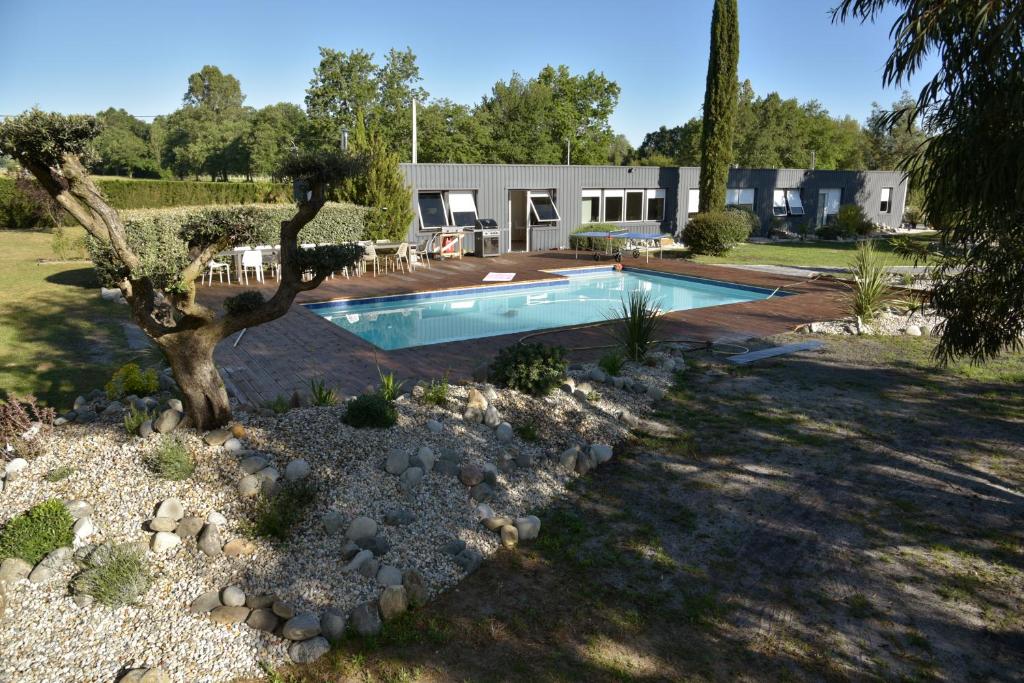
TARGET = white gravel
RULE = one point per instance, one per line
(44, 636)
(887, 324)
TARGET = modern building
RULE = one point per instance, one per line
(537, 207)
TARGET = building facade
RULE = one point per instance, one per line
(537, 207)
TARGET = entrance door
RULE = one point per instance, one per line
(518, 221)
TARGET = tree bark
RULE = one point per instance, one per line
(190, 355)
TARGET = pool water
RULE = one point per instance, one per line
(589, 296)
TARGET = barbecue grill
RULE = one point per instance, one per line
(486, 237)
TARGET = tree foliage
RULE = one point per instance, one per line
(719, 105)
(971, 168)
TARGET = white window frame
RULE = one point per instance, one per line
(885, 205)
(795, 202)
(739, 193)
(461, 201)
(444, 209)
(839, 200)
(654, 194)
(592, 194)
(547, 194)
(779, 207)
(621, 195)
(693, 200)
(625, 207)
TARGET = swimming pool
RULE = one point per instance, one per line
(584, 296)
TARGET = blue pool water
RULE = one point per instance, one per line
(419, 319)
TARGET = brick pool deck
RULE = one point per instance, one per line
(283, 356)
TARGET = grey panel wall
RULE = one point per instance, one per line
(493, 182)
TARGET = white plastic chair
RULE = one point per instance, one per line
(220, 268)
(403, 255)
(252, 259)
(370, 256)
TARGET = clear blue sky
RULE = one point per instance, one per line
(76, 56)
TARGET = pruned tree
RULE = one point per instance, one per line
(54, 148)
(720, 95)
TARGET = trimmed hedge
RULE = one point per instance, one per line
(16, 210)
(716, 232)
(595, 243)
(156, 235)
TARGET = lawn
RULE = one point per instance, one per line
(802, 254)
(57, 337)
(848, 514)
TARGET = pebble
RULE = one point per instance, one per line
(229, 615)
(509, 536)
(397, 462)
(393, 602)
(217, 437)
(411, 478)
(471, 474)
(399, 517)
(164, 541)
(301, 627)
(504, 432)
(332, 624)
(162, 524)
(210, 542)
(913, 331)
(528, 527)
(434, 426)
(233, 445)
(369, 568)
(262, 619)
(171, 507)
(249, 486)
(232, 596)
(495, 523)
(296, 470)
(308, 651)
(361, 527)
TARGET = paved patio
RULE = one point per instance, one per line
(283, 356)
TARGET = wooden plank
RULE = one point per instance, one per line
(754, 356)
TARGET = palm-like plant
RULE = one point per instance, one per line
(638, 324)
(870, 287)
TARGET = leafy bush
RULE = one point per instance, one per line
(436, 392)
(134, 419)
(277, 515)
(279, 405)
(852, 221)
(871, 290)
(530, 368)
(638, 325)
(715, 232)
(595, 243)
(389, 387)
(17, 413)
(35, 533)
(321, 394)
(750, 217)
(115, 575)
(371, 410)
(913, 215)
(246, 302)
(131, 379)
(527, 432)
(612, 362)
(171, 459)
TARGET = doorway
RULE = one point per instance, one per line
(518, 221)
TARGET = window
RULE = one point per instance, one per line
(591, 209)
(462, 208)
(787, 203)
(613, 206)
(886, 204)
(432, 211)
(779, 203)
(655, 205)
(829, 200)
(740, 197)
(796, 204)
(634, 205)
(693, 200)
(542, 207)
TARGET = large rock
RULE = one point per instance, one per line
(171, 507)
(262, 619)
(301, 627)
(210, 542)
(492, 418)
(504, 432)
(229, 615)
(393, 602)
(332, 624)
(397, 462)
(528, 527)
(14, 569)
(411, 478)
(471, 474)
(308, 651)
(296, 470)
(601, 453)
(424, 459)
(164, 541)
(366, 619)
(217, 437)
(415, 588)
(361, 527)
(206, 603)
(188, 527)
(167, 421)
(333, 521)
(389, 576)
(232, 596)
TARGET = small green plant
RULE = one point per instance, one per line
(593, 395)
(17, 413)
(321, 395)
(171, 459)
(59, 474)
(66, 246)
(534, 369)
(870, 287)
(436, 392)
(371, 410)
(131, 379)
(279, 405)
(637, 325)
(716, 232)
(527, 432)
(243, 303)
(134, 419)
(115, 575)
(36, 532)
(389, 388)
(612, 363)
(277, 515)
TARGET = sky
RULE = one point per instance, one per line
(82, 57)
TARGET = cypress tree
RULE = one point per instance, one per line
(720, 96)
(385, 192)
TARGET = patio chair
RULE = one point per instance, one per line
(417, 259)
(252, 259)
(220, 268)
(399, 256)
(370, 256)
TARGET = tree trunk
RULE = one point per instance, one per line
(205, 399)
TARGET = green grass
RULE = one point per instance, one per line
(59, 474)
(277, 515)
(806, 254)
(171, 459)
(33, 534)
(58, 339)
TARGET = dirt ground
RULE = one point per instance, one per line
(852, 513)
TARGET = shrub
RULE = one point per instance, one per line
(715, 232)
(749, 216)
(35, 533)
(17, 413)
(527, 432)
(436, 392)
(639, 323)
(870, 282)
(831, 232)
(389, 387)
(67, 245)
(371, 410)
(115, 575)
(131, 379)
(134, 419)
(530, 368)
(612, 362)
(246, 302)
(279, 405)
(277, 515)
(913, 215)
(321, 394)
(595, 243)
(59, 474)
(852, 221)
(171, 459)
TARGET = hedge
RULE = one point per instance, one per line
(595, 243)
(155, 235)
(123, 193)
(715, 232)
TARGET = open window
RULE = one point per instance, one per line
(613, 206)
(542, 207)
(432, 210)
(885, 206)
(742, 198)
(779, 203)
(590, 211)
(655, 205)
(693, 200)
(796, 205)
(634, 205)
(462, 208)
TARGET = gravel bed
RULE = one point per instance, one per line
(888, 324)
(47, 637)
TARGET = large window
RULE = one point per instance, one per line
(829, 200)
(655, 205)
(432, 210)
(693, 200)
(634, 205)
(742, 198)
(542, 207)
(779, 203)
(787, 203)
(613, 206)
(886, 204)
(590, 211)
(462, 208)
